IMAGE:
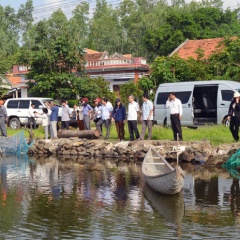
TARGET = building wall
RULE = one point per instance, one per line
(24, 92)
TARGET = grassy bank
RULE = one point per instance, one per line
(215, 134)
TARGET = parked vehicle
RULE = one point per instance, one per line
(204, 102)
(17, 111)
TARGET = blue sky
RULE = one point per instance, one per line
(44, 8)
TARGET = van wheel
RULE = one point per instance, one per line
(14, 123)
(226, 122)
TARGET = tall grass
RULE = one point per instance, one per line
(217, 134)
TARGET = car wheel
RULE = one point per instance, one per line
(226, 122)
(14, 123)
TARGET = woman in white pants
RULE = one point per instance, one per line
(45, 120)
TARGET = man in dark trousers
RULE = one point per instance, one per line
(175, 106)
(31, 117)
(3, 118)
(234, 121)
(133, 109)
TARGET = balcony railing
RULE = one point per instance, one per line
(110, 62)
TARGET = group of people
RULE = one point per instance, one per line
(103, 114)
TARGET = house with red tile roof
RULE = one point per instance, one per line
(15, 85)
(189, 48)
(117, 69)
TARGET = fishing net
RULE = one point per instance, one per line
(234, 172)
(15, 145)
(233, 161)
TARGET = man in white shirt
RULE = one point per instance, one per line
(147, 117)
(31, 117)
(107, 109)
(175, 106)
(66, 113)
(133, 109)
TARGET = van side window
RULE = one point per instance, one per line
(227, 95)
(183, 96)
(13, 104)
(36, 103)
(24, 104)
(162, 98)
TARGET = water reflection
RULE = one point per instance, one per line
(170, 207)
(47, 199)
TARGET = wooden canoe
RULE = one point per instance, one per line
(160, 175)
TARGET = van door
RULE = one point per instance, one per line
(205, 104)
(225, 95)
(23, 111)
(160, 111)
(38, 106)
(185, 95)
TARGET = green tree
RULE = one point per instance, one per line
(104, 28)
(79, 25)
(25, 18)
(226, 64)
(148, 86)
(127, 89)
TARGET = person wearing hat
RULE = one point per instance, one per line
(87, 111)
(234, 115)
(97, 111)
(3, 118)
(79, 115)
(119, 116)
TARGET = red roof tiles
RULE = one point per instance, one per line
(189, 48)
(90, 51)
(14, 80)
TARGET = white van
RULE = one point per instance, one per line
(17, 110)
(204, 102)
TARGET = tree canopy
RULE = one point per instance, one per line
(54, 47)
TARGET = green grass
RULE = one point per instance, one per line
(215, 134)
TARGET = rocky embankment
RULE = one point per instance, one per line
(202, 152)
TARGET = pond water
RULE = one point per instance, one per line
(46, 199)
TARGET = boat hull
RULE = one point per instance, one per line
(160, 175)
(165, 184)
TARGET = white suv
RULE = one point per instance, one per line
(17, 110)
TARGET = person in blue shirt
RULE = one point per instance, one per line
(119, 117)
(87, 111)
(53, 119)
